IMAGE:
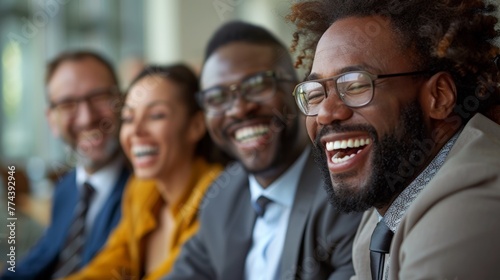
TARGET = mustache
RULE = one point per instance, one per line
(338, 128)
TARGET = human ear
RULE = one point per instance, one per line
(197, 127)
(439, 97)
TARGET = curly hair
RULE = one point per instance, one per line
(455, 36)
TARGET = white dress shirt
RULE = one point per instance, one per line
(103, 182)
(269, 232)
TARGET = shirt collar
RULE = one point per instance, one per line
(282, 190)
(103, 179)
(404, 200)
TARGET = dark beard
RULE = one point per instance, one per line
(389, 156)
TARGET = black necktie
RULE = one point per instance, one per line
(379, 246)
(71, 254)
(260, 205)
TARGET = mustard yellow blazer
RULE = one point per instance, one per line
(122, 256)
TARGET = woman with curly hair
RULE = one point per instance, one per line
(402, 102)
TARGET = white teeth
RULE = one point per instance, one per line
(140, 151)
(343, 144)
(336, 145)
(348, 143)
(356, 143)
(339, 160)
(246, 134)
(329, 146)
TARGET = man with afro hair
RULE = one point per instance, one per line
(402, 104)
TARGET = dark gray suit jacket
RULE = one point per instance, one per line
(318, 240)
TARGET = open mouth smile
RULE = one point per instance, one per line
(144, 155)
(251, 133)
(346, 149)
(144, 151)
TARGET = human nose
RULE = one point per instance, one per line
(240, 106)
(84, 113)
(138, 126)
(332, 109)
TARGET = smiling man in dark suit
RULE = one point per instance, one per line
(83, 111)
(266, 217)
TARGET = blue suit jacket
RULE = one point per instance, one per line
(42, 258)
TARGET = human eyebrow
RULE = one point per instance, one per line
(63, 100)
(158, 103)
(91, 94)
(351, 68)
(254, 75)
(214, 88)
(107, 89)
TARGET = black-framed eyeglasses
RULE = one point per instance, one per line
(254, 88)
(354, 88)
(98, 99)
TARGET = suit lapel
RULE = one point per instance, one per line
(65, 200)
(306, 190)
(240, 225)
(68, 200)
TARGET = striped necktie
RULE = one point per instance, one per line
(71, 255)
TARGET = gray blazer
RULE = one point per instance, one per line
(318, 241)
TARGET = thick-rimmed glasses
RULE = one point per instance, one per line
(99, 99)
(354, 88)
(257, 88)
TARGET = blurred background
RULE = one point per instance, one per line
(129, 33)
